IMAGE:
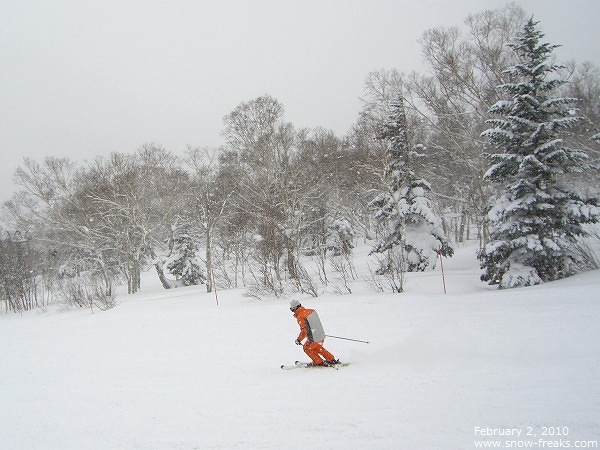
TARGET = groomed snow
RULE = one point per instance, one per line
(172, 370)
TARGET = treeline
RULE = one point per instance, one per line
(272, 194)
(254, 211)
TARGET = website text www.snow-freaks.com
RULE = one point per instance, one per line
(540, 443)
(529, 437)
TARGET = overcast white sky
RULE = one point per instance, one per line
(82, 77)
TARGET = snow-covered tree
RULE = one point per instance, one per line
(339, 237)
(536, 216)
(183, 262)
(410, 225)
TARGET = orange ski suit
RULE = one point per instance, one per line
(314, 350)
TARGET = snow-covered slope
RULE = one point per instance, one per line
(172, 370)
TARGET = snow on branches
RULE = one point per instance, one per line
(404, 211)
(536, 216)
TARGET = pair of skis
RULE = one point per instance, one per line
(305, 365)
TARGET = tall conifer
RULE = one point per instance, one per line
(405, 211)
(537, 214)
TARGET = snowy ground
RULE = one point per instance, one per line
(172, 370)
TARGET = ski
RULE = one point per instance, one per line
(297, 365)
(305, 365)
(287, 367)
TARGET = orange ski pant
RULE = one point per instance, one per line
(315, 351)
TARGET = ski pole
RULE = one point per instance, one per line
(347, 339)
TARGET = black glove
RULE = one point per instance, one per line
(297, 341)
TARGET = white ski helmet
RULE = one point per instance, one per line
(294, 305)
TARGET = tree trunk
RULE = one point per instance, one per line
(161, 276)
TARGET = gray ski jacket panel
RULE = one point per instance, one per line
(316, 333)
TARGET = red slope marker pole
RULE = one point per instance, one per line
(442, 266)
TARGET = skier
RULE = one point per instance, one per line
(311, 330)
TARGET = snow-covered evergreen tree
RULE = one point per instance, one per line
(405, 211)
(537, 216)
(339, 237)
(183, 262)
